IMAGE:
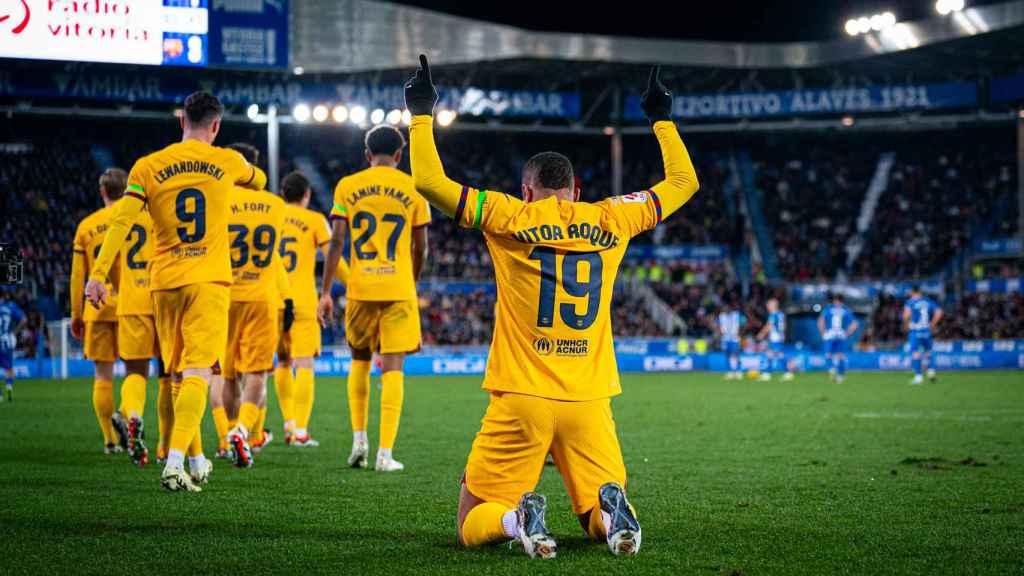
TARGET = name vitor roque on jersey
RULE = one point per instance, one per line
(378, 190)
(548, 232)
(189, 167)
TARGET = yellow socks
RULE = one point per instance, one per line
(248, 414)
(220, 421)
(284, 384)
(391, 395)
(359, 394)
(133, 395)
(188, 413)
(165, 416)
(595, 527)
(304, 391)
(257, 432)
(195, 447)
(485, 523)
(103, 405)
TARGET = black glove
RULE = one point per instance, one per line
(289, 314)
(657, 100)
(420, 95)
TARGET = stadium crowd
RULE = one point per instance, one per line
(811, 193)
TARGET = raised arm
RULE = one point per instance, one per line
(427, 171)
(680, 181)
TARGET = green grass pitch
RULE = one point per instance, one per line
(808, 477)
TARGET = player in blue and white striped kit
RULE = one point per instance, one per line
(920, 317)
(730, 323)
(11, 320)
(774, 330)
(836, 324)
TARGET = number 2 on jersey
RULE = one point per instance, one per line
(591, 289)
(368, 224)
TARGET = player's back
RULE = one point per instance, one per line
(555, 264)
(10, 316)
(921, 310)
(88, 241)
(777, 326)
(254, 227)
(304, 232)
(730, 323)
(382, 207)
(133, 287)
(188, 186)
(837, 318)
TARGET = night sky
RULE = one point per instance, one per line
(750, 21)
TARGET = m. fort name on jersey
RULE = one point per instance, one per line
(189, 167)
(378, 190)
(548, 232)
(257, 207)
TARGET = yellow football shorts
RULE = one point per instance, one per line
(516, 435)
(252, 338)
(389, 327)
(100, 341)
(192, 325)
(136, 337)
(303, 340)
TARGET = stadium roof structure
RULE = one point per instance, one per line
(361, 36)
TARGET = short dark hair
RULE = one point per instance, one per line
(248, 151)
(915, 288)
(294, 186)
(384, 140)
(550, 170)
(114, 181)
(201, 108)
(838, 296)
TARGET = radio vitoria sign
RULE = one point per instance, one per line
(115, 31)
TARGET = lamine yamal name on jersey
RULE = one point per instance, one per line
(378, 190)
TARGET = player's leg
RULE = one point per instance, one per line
(497, 501)
(785, 362)
(303, 393)
(284, 385)
(840, 366)
(98, 346)
(361, 325)
(253, 385)
(164, 411)
(587, 454)
(915, 363)
(261, 435)
(7, 363)
(359, 405)
(399, 335)
(133, 406)
(770, 364)
(927, 352)
(201, 311)
(218, 411)
(257, 331)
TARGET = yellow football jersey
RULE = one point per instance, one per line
(555, 265)
(133, 288)
(304, 232)
(88, 241)
(188, 186)
(254, 226)
(382, 207)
